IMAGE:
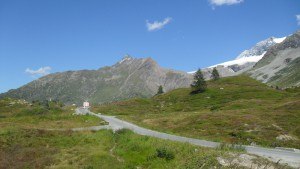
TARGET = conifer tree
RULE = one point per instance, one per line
(160, 90)
(199, 84)
(215, 74)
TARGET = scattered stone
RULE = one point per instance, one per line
(285, 137)
(243, 160)
(11, 103)
(277, 127)
(249, 131)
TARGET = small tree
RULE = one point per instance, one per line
(160, 90)
(215, 74)
(199, 84)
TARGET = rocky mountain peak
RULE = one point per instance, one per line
(126, 58)
(260, 48)
(280, 64)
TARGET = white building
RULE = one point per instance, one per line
(86, 105)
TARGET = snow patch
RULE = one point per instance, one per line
(240, 61)
(192, 72)
(126, 58)
(279, 40)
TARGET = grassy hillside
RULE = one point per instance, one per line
(25, 143)
(39, 115)
(234, 110)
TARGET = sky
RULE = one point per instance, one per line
(38, 37)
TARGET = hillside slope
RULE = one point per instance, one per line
(128, 78)
(233, 109)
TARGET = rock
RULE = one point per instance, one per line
(285, 137)
(243, 160)
(277, 127)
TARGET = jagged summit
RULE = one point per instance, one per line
(130, 59)
(261, 47)
(127, 57)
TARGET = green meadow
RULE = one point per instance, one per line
(27, 142)
(236, 110)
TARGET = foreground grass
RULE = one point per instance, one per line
(24, 148)
(236, 110)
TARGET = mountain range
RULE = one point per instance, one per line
(275, 61)
(130, 77)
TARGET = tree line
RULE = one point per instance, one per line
(199, 84)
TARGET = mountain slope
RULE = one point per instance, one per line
(281, 64)
(245, 61)
(126, 79)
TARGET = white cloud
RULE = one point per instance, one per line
(298, 19)
(40, 72)
(225, 2)
(156, 25)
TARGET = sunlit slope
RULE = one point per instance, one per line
(234, 109)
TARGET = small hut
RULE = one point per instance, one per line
(86, 105)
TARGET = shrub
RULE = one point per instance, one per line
(231, 147)
(164, 153)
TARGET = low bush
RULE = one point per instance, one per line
(165, 153)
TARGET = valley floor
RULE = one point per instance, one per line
(27, 142)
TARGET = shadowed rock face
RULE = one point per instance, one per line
(128, 78)
(281, 64)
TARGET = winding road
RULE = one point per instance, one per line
(290, 157)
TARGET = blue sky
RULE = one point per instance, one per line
(42, 36)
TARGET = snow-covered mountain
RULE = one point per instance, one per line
(254, 54)
(280, 66)
(245, 61)
(260, 48)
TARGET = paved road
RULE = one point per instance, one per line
(285, 156)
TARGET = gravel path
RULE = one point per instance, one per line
(290, 157)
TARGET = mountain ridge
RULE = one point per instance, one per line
(130, 77)
(244, 61)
